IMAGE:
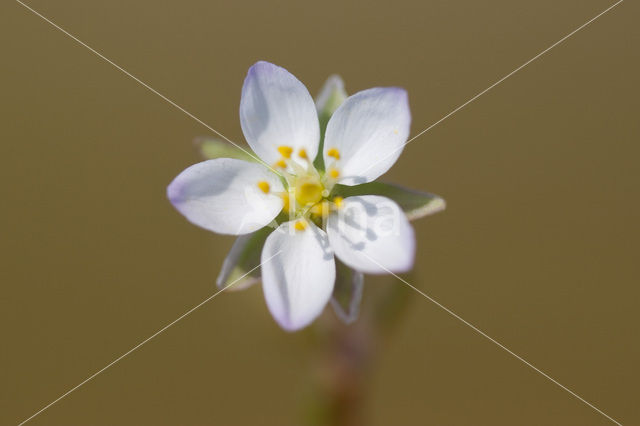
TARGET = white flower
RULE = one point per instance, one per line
(369, 233)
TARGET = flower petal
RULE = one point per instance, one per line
(371, 234)
(298, 273)
(223, 195)
(368, 131)
(277, 110)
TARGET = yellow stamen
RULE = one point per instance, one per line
(300, 225)
(285, 151)
(302, 153)
(333, 152)
(338, 201)
(334, 173)
(281, 163)
(286, 205)
(264, 186)
(308, 191)
(320, 209)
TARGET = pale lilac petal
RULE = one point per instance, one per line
(223, 195)
(371, 234)
(276, 109)
(369, 131)
(298, 274)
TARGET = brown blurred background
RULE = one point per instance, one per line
(538, 247)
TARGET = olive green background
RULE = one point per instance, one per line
(538, 247)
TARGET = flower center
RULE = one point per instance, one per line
(308, 195)
(308, 190)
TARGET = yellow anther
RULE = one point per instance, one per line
(395, 131)
(285, 198)
(338, 201)
(320, 209)
(285, 151)
(264, 186)
(334, 173)
(300, 225)
(303, 153)
(308, 191)
(281, 163)
(333, 152)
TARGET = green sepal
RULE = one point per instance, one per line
(211, 148)
(243, 257)
(415, 204)
(347, 293)
(331, 96)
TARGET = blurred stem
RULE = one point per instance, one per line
(345, 359)
(345, 356)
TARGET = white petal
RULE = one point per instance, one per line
(369, 130)
(276, 109)
(223, 196)
(298, 273)
(371, 234)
